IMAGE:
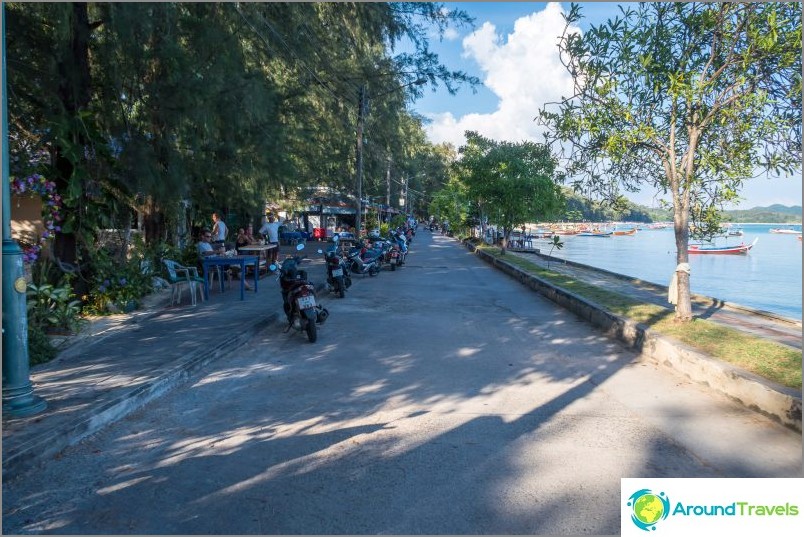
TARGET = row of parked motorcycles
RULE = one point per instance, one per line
(299, 300)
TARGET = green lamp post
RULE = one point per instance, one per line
(18, 397)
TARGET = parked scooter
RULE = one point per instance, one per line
(338, 277)
(369, 263)
(298, 297)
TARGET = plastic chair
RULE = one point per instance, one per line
(222, 274)
(179, 275)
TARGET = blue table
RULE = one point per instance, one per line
(222, 261)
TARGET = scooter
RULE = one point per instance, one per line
(298, 297)
(359, 265)
(338, 277)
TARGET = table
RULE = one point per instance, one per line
(222, 261)
(260, 248)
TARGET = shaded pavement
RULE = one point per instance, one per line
(123, 361)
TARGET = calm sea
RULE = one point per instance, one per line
(767, 278)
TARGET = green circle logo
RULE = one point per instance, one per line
(648, 508)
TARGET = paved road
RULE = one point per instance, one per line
(442, 398)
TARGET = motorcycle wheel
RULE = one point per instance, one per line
(312, 332)
(393, 267)
(374, 270)
(341, 288)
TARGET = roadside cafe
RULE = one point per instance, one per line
(325, 216)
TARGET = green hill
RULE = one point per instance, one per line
(773, 214)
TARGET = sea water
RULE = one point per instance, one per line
(768, 277)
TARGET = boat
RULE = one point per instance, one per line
(787, 231)
(735, 233)
(625, 231)
(594, 233)
(733, 249)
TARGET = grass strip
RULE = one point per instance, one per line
(768, 359)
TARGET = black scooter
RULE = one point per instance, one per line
(298, 298)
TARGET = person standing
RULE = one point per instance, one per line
(270, 230)
(219, 230)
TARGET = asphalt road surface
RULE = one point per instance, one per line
(442, 398)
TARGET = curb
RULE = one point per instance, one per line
(777, 402)
(53, 441)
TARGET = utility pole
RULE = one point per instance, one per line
(361, 119)
(407, 207)
(361, 116)
(18, 397)
(388, 181)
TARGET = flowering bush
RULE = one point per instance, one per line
(117, 285)
(51, 210)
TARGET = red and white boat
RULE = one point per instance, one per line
(733, 249)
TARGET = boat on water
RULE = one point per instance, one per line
(735, 233)
(625, 231)
(710, 249)
(595, 233)
(787, 231)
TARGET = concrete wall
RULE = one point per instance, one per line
(26, 218)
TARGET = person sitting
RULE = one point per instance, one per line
(243, 239)
(205, 249)
(204, 246)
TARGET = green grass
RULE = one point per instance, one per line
(768, 359)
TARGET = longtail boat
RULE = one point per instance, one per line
(625, 231)
(595, 234)
(733, 249)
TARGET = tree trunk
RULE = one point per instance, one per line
(74, 94)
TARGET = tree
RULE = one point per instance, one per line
(692, 98)
(513, 183)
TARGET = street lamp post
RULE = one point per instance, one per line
(361, 120)
(18, 397)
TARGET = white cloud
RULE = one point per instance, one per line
(522, 69)
(451, 34)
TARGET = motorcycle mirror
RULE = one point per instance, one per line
(272, 267)
(300, 246)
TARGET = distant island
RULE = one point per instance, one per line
(580, 209)
(774, 214)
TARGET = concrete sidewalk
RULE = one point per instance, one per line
(124, 361)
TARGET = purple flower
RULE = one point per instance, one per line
(106, 282)
(122, 281)
(102, 289)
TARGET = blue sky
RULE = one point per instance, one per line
(512, 51)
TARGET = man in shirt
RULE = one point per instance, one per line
(204, 247)
(218, 230)
(270, 229)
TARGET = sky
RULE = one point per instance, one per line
(512, 51)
